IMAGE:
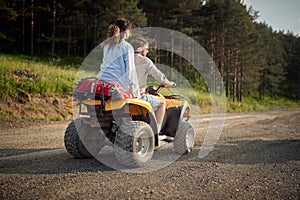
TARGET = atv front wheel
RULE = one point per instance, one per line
(134, 144)
(184, 138)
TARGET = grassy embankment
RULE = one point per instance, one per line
(33, 77)
(24, 80)
(55, 77)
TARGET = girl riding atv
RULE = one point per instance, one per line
(118, 58)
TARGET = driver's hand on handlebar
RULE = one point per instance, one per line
(170, 84)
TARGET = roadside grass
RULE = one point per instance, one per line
(256, 104)
(65, 63)
(202, 102)
(19, 75)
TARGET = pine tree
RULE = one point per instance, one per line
(292, 56)
(175, 15)
(7, 16)
(272, 62)
(227, 34)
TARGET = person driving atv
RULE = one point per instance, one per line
(144, 67)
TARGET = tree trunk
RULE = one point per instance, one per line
(69, 41)
(85, 35)
(32, 28)
(241, 83)
(95, 31)
(228, 73)
(23, 26)
(212, 54)
(180, 68)
(298, 78)
(39, 38)
(53, 28)
(172, 55)
(234, 85)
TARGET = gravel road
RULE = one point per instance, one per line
(256, 157)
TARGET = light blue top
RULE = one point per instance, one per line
(118, 66)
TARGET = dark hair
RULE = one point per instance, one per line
(116, 31)
(123, 24)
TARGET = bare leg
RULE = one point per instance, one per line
(160, 113)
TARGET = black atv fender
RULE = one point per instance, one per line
(173, 118)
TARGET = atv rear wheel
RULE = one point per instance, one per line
(134, 144)
(82, 140)
(184, 138)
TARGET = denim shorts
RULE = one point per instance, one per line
(153, 100)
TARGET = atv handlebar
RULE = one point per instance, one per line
(152, 90)
(163, 86)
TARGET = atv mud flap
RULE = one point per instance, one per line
(172, 121)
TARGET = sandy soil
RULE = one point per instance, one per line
(256, 157)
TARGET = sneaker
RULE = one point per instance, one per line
(162, 137)
(168, 139)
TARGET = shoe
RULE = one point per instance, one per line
(168, 139)
(162, 137)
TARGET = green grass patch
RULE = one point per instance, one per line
(65, 63)
(256, 104)
(56, 118)
(20, 75)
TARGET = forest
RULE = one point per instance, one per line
(253, 59)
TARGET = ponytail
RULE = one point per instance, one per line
(113, 30)
(113, 35)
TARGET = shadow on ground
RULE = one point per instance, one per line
(47, 161)
(58, 161)
(251, 152)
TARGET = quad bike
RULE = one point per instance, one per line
(128, 124)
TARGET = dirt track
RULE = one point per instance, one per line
(256, 157)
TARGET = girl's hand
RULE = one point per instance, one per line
(131, 91)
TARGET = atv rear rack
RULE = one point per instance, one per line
(89, 95)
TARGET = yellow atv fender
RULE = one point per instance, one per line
(132, 106)
(113, 105)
